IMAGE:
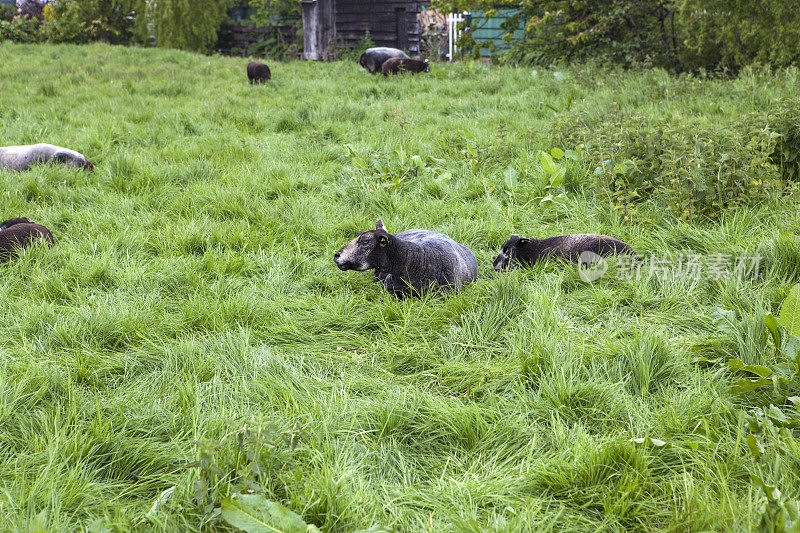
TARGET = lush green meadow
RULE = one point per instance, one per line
(190, 329)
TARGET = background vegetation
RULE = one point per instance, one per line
(681, 35)
(189, 339)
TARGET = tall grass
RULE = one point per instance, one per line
(191, 294)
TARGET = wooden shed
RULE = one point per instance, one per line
(389, 23)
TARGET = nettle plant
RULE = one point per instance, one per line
(240, 474)
(698, 172)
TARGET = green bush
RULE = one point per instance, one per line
(697, 171)
(82, 21)
(786, 121)
(20, 30)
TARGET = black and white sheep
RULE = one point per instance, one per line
(258, 72)
(524, 251)
(410, 262)
(22, 157)
(373, 58)
(18, 233)
(396, 65)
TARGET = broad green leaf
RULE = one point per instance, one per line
(647, 441)
(777, 417)
(790, 311)
(375, 529)
(161, 500)
(724, 320)
(558, 177)
(548, 164)
(254, 513)
(772, 325)
(756, 448)
(792, 349)
(557, 153)
(738, 366)
(510, 177)
(795, 401)
(747, 385)
(772, 493)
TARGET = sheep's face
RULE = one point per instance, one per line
(366, 251)
(73, 161)
(509, 252)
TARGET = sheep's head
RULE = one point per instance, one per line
(366, 251)
(72, 160)
(510, 251)
(12, 221)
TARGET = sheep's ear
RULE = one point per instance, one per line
(383, 240)
(523, 241)
(379, 225)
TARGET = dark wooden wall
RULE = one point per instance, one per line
(236, 39)
(390, 23)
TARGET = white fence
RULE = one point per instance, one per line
(453, 33)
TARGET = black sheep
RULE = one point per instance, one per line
(525, 251)
(402, 64)
(18, 233)
(409, 262)
(258, 72)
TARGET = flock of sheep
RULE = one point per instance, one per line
(408, 263)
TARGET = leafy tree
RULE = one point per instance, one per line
(269, 12)
(677, 34)
(734, 33)
(184, 24)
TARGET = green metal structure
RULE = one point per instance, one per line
(485, 29)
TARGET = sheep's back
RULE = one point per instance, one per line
(450, 254)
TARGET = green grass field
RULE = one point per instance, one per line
(190, 329)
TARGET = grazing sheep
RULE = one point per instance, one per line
(410, 262)
(401, 64)
(373, 58)
(524, 251)
(22, 157)
(18, 233)
(258, 72)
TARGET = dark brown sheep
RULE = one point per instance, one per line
(19, 233)
(524, 251)
(401, 64)
(258, 72)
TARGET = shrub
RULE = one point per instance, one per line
(786, 121)
(81, 21)
(697, 171)
(21, 30)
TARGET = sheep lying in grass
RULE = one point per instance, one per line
(410, 262)
(525, 251)
(22, 157)
(401, 64)
(18, 233)
(373, 58)
(258, 72)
